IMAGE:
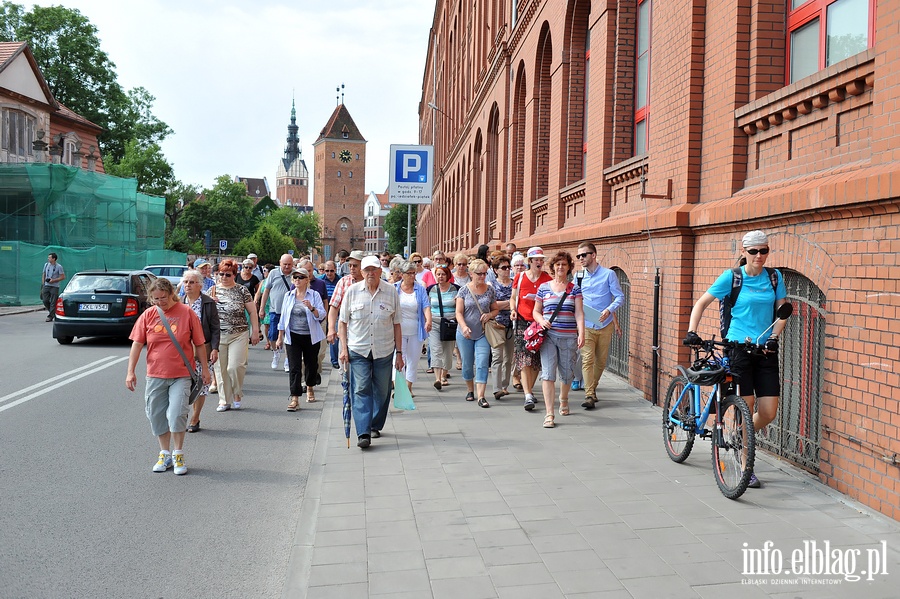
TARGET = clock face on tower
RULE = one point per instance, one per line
(344, 155)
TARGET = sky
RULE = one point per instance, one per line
(224, 72)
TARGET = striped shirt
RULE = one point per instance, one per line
(564, 322)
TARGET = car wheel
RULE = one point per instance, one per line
(65, 340)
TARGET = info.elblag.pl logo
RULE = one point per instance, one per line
(814, 563)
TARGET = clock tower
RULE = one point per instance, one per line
(339, 195)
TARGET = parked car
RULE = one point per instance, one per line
(101, 303)
(173, 272)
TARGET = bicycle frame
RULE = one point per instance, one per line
(698, 426)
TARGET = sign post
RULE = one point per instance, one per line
(411, 179)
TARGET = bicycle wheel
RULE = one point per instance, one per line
(678, 405)
(734, 448)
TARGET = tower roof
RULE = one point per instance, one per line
(292, 150)
(340, 126)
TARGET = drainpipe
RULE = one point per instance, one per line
(654, 368)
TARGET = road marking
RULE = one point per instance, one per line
(56, 378)
(69, 379)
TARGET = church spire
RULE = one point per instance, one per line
(292, 149)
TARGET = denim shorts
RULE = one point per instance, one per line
(559, 352)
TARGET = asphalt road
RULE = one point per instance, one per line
(83, 515)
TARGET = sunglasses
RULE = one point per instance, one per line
(583, 255)
(226, 274)
(298, 277)
(332, 270)
(417, 262)
(754, 251)
(502, 268)
(482, 273)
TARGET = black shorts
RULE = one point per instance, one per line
(755, 374)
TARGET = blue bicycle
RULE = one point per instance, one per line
(686, 414)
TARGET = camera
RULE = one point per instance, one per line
(47, 280)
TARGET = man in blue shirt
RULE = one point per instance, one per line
(603, 294)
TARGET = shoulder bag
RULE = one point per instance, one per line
(534, 334)
(493, 330)
(447, 327)
(196, 381)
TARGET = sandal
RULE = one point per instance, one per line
(498, 394)
(294, 405)
(438, 385)
(470, 396)
(548, 421)
(430, 371)
(194, 428)
(445, 382)
(483, 403)
(310, 395)
(563, 407)
(517, 386)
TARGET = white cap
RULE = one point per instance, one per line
(755, 238)
(371, 261)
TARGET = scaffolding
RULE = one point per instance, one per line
(91, 220)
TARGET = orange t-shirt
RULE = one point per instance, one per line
(163, 360)
(528, 293)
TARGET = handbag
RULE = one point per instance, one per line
(493, 330)
(447, 327)
(196, 381)
(534, 334)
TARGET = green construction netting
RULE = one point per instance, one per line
(89, 219)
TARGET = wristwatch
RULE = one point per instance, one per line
(399, 353)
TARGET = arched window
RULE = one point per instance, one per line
(518, 141)
(795, 433)
(339, 174)
(576, 105)
(542, 99)
(17, 135)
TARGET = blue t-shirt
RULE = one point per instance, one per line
(754, 310)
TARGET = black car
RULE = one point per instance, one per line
(101, 303)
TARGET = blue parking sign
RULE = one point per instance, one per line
(411, 174)
(411, 167)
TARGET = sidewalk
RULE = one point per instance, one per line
(9, 310)
(456, 501)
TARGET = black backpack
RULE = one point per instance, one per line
(727, 303)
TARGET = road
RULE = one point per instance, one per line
(81, 513)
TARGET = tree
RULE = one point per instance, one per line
(179, 241)
(303, 227)
(395, 227)
(81, 76)
(226, 210)
(147, 164)
(179, 197)
(267, 243)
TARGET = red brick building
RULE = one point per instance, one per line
(662, 131)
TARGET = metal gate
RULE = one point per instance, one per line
(796, 432)
(618, 349)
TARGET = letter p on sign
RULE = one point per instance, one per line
(411, 166)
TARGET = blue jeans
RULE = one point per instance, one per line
(370, 388)
(475, 354)
(333, 348)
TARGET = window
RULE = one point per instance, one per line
(69, 149)
(642, 82)
(823, 32)
(357, 156)
(332, 154)
(339, 174)
(346, 135)
(17, 135)
(350, 174)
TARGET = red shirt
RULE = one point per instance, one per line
(528, 293)
(163, 360)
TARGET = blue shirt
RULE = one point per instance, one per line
(754, 310)
(601, 291)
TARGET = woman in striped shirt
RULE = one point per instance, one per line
(563, 336)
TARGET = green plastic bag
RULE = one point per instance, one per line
(402, 398)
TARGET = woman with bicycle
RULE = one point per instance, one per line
(761, 292)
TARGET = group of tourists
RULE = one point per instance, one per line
(511, 317)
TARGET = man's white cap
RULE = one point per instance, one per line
(371, 261)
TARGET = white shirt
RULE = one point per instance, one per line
(370, 318)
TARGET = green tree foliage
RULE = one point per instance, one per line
(179, 197)
(395, 227)
(268, 243)
(147, 164)
(179, 241)
(302, 227)
(226, 210)
(81, 76)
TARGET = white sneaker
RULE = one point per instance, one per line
(164, 463)
(178, 461)
(275, 356)
(287, 367)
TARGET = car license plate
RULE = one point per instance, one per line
(93, 307)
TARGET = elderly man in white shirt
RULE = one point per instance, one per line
(370, 336)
